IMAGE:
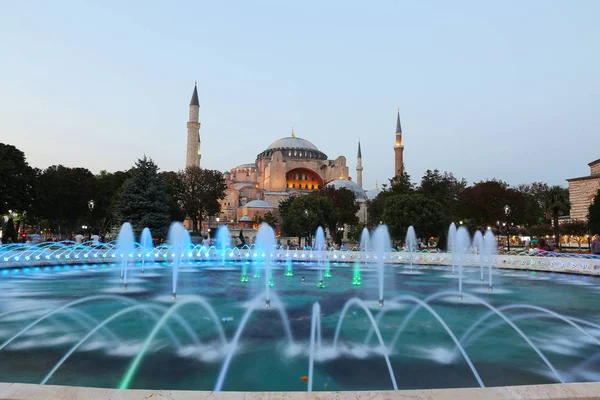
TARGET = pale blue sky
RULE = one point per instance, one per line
(506, 89)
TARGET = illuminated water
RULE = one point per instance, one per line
(190, 353)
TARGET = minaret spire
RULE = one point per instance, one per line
(193, 127)
(398, 148)
(359, 167)
(194, 101)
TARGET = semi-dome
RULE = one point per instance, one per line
(359, 193)
(258, 204)
(294, 147)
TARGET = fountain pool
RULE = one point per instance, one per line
(75, 325)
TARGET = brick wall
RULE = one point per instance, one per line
(581, 193)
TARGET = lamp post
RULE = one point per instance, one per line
(91, 205)
(507, 213)
(341, 234)
(306, 233)
(218, 219)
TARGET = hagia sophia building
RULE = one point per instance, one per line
(289, 166)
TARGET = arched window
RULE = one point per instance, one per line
(300, 186)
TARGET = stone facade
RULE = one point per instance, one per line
(583, 190)
(290, 166)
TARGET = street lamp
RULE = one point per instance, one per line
(507, 213)
(341, 234)
(91, 205)
(306, 233)
(218, 219)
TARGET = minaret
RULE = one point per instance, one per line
(359, 167)
(193, 127)
(398, 148)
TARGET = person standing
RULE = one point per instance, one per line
(595, 245)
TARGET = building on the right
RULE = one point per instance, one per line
(583, 190)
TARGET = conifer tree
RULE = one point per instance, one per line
(144, 200)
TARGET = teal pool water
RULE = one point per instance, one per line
(190, 355)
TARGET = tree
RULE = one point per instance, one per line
(556, 203)
(144, 200)
(594, 215)
(301, 216)
(402, 211)
(200, 191)
(108, 188)
(63, 195)
(539, 230)
(399, 184)
(16, 180)
(577, 230)
(173, 182)
(483, 204)
(9, 232)
(268, 218)
(345, 208)
(443, 188)
(534, 195)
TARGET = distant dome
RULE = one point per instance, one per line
(294, 147)
(371, 194)
(359, 193)
(244, 166)
(258, 204)
(292, 143)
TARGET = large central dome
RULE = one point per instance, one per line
(294, 147)
(292, 142)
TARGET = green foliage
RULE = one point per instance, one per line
(401, 184)
(16, 180)
(268, 218)
(556, 203)
(9, 232)
(424, 214)
(345, 208)
(173, 182)
(534, 195)
(539, 230)
(483, 203)
(574, 228)
(445, 189)
(199, 193)
(108, 187)
(144, 200)
(302, 215)
(355, 231)
(63, 195)
(594, 215)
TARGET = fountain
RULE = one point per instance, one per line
(223, 241)
(147, 247)
(179, 238)
(450, 243)
(319, 247)
(478, 248)
(381, 245)
(411, 243)
(288, 263)
(489, 250)
(462, 247)
(343, 344)
(125, 249)
(265, 241)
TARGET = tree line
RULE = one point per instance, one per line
(57, 199)
(441, 198)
